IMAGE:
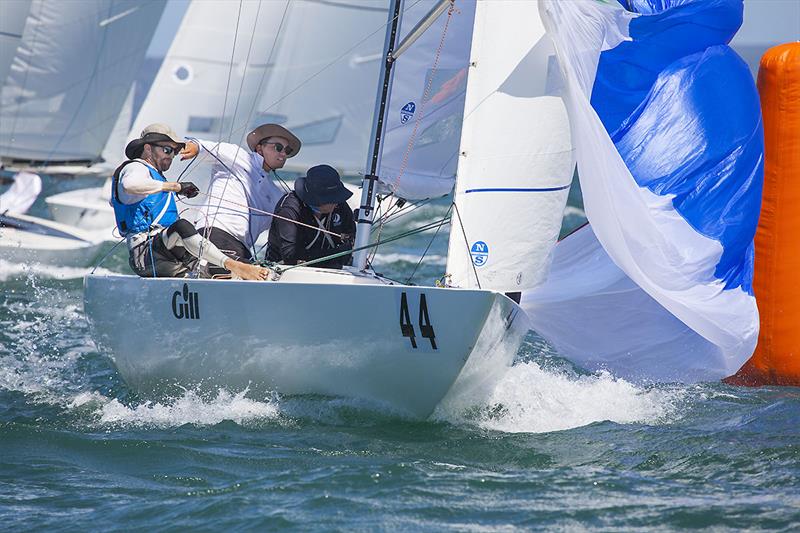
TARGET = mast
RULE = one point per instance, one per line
(366, 212)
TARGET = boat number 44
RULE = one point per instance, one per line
(425, 327)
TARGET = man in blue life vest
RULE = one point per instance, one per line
(159, 242)
(319, 203)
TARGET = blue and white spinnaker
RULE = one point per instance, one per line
(666, 122)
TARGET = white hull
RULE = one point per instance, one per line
(323, 332)
(87, 209)
(27, 239)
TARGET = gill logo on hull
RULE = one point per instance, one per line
(186, 304)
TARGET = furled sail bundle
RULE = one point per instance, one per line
(666, 122)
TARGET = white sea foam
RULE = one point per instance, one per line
(571, 210)
(190, 408)
(387, 259)
(10, 270)
(531, 399)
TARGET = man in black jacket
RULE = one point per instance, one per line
(319, 200)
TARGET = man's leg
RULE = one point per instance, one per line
(228, 245)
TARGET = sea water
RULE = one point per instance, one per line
(552, 446)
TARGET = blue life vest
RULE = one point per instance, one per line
(158, 208)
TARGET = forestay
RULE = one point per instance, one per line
(516, 162)
(670, 151)
(71, 73)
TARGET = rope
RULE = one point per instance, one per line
(246, 62)
(466, 242)
(230, 70)
(414, 231)
(425, 97)
(424, 253)
(254, 210)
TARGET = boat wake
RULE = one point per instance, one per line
(533, 399)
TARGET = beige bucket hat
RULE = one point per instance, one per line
(152, 134)
(273, 130)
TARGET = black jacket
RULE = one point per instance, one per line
(290, 243)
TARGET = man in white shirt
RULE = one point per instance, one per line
(160, 243)
(241, 178)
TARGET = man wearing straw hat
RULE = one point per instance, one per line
(160, 243)
(242, 191)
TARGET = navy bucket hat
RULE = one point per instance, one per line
(321, 185)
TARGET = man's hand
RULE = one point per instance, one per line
(189, 151)
(188, 189)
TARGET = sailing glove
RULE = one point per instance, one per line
(189, 189)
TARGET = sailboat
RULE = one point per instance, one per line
(28, 239)
(509, 117)
(401, 345)
(64, 89)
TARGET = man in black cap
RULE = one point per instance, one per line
(241, 179)
(160, 243)
(319, 200)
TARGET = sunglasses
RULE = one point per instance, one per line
(279, 147)
(168, 150)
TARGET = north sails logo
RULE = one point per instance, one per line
(189, 307)
(480, 253)
(407, 113)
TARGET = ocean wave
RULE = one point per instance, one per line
(530, 399)
(9, 270)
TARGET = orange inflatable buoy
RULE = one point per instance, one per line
(776, 280)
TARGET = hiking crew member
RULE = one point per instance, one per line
(160, 243)
(242, 178)
(320, 200)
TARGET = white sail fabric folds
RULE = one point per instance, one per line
(666, 123)
(426, 105)
(22, 193)
(71, 74)
(516, 162)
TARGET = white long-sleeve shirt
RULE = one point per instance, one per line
(243, 183)
(137, 183)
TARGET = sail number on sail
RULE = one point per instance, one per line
(425, 327)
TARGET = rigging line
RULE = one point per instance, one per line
(425, 252)
(244, 72)
(267, 67)
(326, 66)
(466, 242)
(425, 97)
(414, 231)
(230, 70)
(262, 212)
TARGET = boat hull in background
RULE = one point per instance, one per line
(335, 333)
(27, 239)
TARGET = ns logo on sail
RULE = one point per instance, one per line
(480, 253)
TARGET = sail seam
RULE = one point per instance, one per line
(519, 189)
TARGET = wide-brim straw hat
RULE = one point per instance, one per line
(321, 185)
(266, 131)
(152, 134)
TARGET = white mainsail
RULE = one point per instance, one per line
(216, 65)
(72, 71)
(516, 162)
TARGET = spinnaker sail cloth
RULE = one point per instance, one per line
(666, 122)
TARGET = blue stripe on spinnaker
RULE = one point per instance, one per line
(515, 189)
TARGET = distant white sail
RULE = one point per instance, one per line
(12, 20)
(516, 160)
(71, 74)
(323, 84)
(212, 73)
